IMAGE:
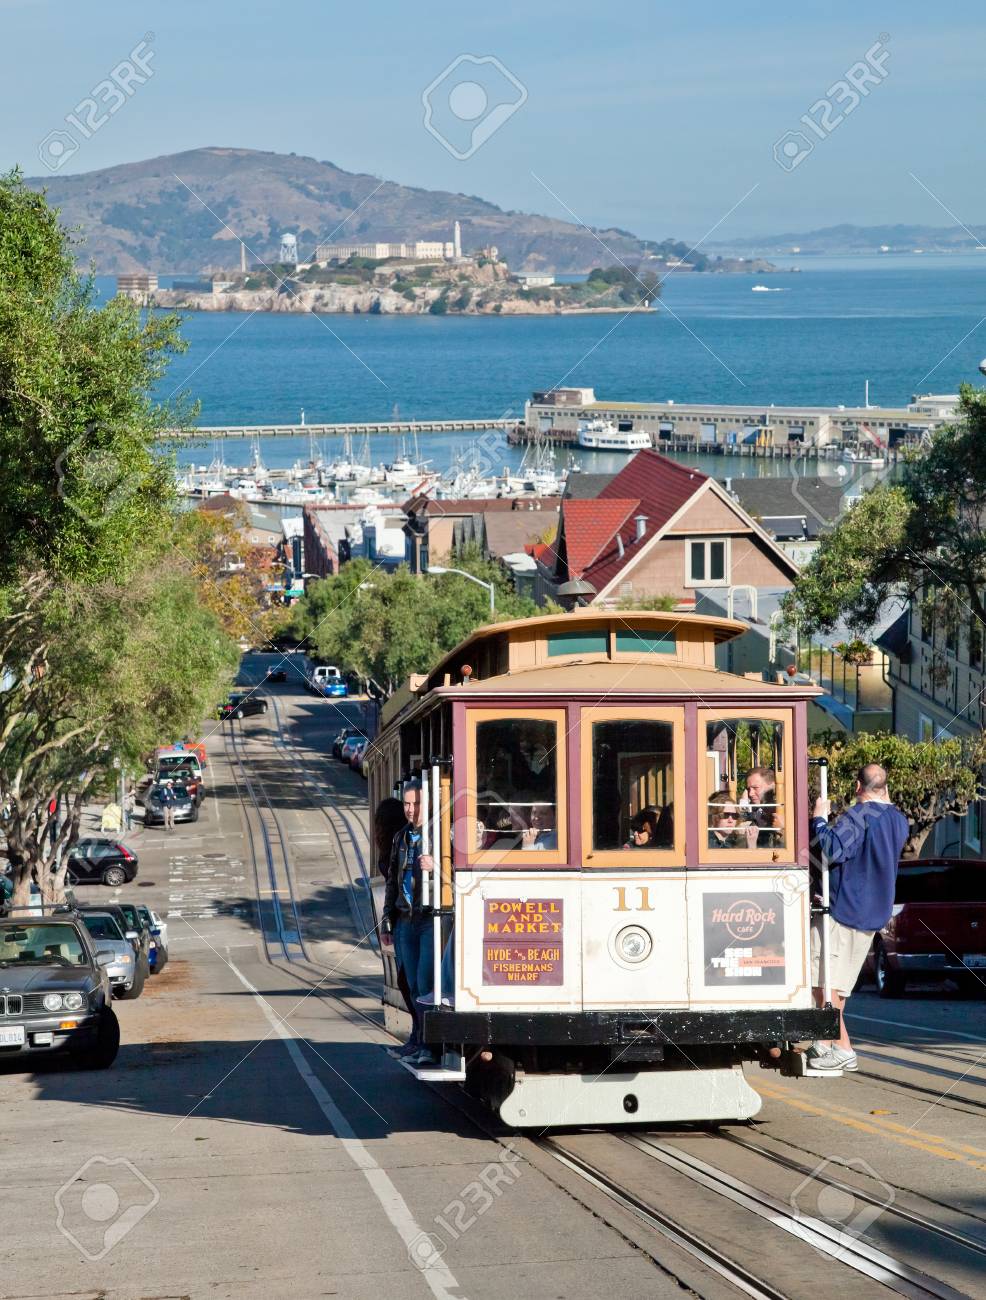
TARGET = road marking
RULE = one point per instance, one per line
(925, 1029)
(440, 1280)
(944, 1148)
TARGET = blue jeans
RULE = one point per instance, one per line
(414, 946)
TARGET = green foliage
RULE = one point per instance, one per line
(385, 626)
(665, 602)
(928, 779)
(927, 528)
(440, 306)
(82, 485)
(105, 645)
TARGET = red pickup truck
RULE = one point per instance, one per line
(938, 928)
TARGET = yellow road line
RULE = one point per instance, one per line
(928, 1142)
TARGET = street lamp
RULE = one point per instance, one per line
(437, 568)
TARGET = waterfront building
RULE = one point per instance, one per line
(535, 280)
(422, 250)
(558, 412)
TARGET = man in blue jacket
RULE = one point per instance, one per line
(860, 850)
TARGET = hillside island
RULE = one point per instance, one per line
(479, 285)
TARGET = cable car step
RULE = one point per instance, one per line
(451, 1069)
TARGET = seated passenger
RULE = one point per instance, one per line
(759, 804)
(643, 828)
(724, 822)
(541, 833)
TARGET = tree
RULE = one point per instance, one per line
(929, 779)
(104, 646)
(233, 573)
(93, 673)
(926, 530)
(385, 626)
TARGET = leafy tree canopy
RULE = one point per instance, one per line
(928, 779)
(83, 486)
(385, 626)
(927, 528)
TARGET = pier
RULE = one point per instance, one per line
(384, 427)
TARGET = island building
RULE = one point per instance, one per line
(136, 285)
(558, 412)
(415, 250)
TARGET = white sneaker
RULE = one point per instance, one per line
(836, 1058)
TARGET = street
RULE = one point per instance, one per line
(255, 1138)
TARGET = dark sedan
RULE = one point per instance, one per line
(243, 704)
(96, 860)
(55, 991)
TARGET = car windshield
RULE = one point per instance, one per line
(176, 760)
(177, 789)
(41, 945)
(103, 927)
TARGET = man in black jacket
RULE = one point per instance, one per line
(406, 919)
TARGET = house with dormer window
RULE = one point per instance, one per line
(659, 528)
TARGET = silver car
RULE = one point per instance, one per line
(186, 809)
(122, 972)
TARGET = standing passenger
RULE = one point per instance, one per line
(861, 852)
(406, 920)
(388, 822)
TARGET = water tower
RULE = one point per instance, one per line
(289, 250)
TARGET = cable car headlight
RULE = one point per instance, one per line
(634, 944)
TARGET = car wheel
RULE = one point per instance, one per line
(195, 815)
(889, 983)
(971, 985)
(103, 1054)
(137, 987)
(114, 877)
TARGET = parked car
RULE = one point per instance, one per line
(187, 774)
(137, 936)
(343, 736)
(102, 860)
(349, 746)
(243, 704)
(158, 955)
(320, 674)
(359, 749)
(125, 975)
(938, 927)
(179, 760)
(56, 995)
(186, 809)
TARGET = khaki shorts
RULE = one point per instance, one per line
(847, 952)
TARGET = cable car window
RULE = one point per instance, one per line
(746, 784)
(631, 640)
(632, 785)
(516, 785)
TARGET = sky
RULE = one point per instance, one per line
(664, 120)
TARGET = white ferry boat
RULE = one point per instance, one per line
(599, 435)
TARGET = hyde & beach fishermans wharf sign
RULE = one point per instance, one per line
(523, 941)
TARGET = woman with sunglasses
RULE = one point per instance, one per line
(724, 822)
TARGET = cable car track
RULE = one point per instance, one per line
(841, 1246)
(280, 925)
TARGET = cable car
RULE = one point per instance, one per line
(624, 901)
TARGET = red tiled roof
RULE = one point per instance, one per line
(661, 487)
(589, 526)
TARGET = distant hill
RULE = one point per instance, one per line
(847, 239)
(139, 216)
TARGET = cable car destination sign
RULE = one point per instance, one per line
(523, 941)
